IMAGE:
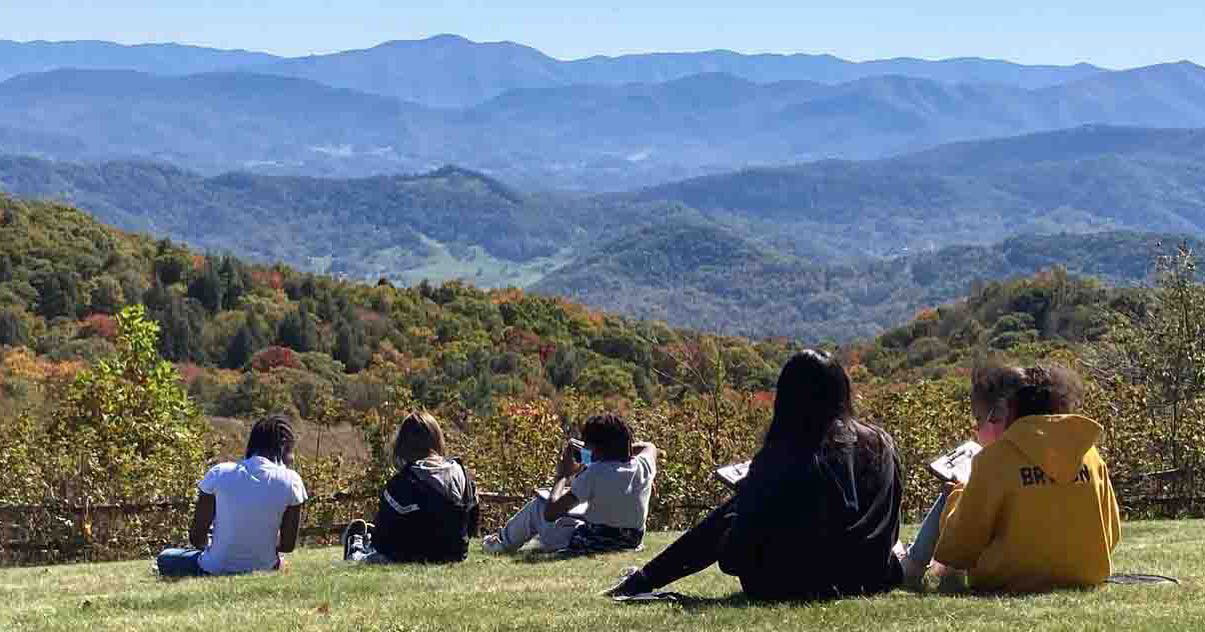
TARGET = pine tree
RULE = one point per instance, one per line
(180, 327)
(12, 328)
(298, 331)
(350, 347)
(234, 280)
(208, 287)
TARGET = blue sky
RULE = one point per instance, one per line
(1106, 32)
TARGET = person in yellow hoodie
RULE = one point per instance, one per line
(1038, 511)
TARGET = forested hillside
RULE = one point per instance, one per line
(1087, 179)
(829, 250)
(705, 276)
(401, 227)
(63, 277)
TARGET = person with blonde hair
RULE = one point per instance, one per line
(1038, 511)
(427, 511)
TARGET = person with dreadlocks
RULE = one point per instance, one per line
(600, 501)
(253, 506)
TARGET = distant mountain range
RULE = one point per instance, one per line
(826, 249)
(590, 137)
(18, 58)
(1086, 179)
(451, 71)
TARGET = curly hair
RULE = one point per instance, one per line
(1049, 390)
(611, 434)
(1045, 389)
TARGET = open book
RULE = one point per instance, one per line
(732, 475)
(955, 465)
(952, 467)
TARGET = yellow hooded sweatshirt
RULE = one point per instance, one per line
(1038, 511)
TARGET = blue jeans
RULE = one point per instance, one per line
(925, 545)
(180, 563)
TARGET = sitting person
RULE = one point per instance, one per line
(254, 507)
(819, 511)
(598, 505)
(1038, 511)
(427, 511)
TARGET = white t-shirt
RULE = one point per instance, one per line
(251, 496)
(616, 493)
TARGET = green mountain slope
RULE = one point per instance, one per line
(822, 250)
(708, 277)
(1085, 179)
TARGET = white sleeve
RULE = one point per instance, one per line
(297, 493)
(209, 483)
(649, 463)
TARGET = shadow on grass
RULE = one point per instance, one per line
(536, 556)
(737, 600)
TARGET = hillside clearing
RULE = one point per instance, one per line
(320, 593)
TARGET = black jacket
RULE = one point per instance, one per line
(818, 524)
(427, 515)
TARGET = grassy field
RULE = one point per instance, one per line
(317, 592)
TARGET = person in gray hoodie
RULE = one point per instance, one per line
(427, 511)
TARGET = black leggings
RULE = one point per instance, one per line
(694, 551)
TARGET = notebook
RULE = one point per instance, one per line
(955, 465)
(732, 475)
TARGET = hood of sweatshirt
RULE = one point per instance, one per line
(445, 475)
(1056, 443)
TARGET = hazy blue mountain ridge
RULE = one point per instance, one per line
(18, 58)
(579, 137)
(451, 71)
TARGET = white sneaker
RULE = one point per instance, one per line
(492, 544)
(353, 537)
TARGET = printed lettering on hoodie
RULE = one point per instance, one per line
(1034, 475)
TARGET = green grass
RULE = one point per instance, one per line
(318, 592)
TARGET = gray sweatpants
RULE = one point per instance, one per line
(530, 523)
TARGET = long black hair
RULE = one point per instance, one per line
(813, 393)
(272, 437)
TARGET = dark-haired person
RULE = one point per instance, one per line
(1038, 511)
(253, 505)
(819, 512)
(598, 505)
(428, 509)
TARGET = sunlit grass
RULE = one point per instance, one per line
(319, 592)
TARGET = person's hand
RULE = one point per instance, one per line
(568, 465)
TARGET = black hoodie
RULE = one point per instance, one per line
(817, 524)
(427, 513)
